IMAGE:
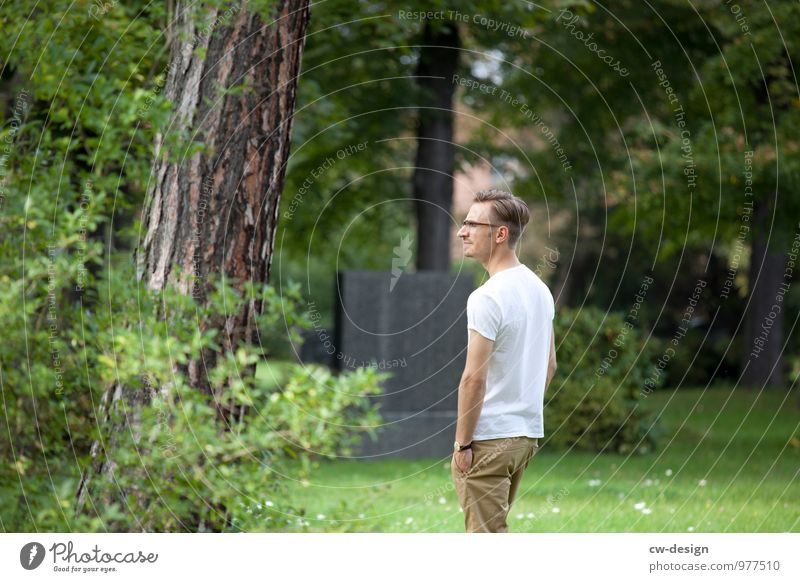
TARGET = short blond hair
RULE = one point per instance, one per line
(507, 210)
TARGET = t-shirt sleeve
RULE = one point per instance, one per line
(483, 315)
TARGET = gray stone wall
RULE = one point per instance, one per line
(414, 327)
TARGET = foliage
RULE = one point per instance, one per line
(78, 146)
(202, 466)
(597, 399)
(348, 211)
(283, 320)
(204, 471)
(84, 98)
(742, 121)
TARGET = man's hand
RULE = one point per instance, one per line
(463, 460)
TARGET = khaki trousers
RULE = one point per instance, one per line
(487, 490)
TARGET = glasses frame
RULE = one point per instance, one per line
(472, 224)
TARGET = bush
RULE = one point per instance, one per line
(179, 464)
(605, 371)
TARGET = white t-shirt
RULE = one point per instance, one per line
(515, 309)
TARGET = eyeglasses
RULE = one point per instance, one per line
(472, 224)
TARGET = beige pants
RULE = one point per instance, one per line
(487, 490)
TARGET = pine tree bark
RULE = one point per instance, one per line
(232, 80)
(216, 212)
(435, 161)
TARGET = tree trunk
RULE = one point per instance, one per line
(232, 82)
(433, 173)
(762, 360)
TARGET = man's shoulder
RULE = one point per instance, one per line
(536, 282)
(529, 279)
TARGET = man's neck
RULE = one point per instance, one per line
(501, 262)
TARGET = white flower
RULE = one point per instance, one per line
(531, 515)
(409, 520)
(648, 482)
(320, 516)
(268, 503)
(647, 511)
(690, 528)
(702, 482)
(640, 505)
(594, 482)
(442, 501)
(520, 515)
(668, 472)
(555, 510)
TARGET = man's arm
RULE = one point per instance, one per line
(473, 386)
(551, 365)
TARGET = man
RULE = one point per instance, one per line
(511, 359)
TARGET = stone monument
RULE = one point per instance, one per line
(414, 327)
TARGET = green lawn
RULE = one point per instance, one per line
(728, 462)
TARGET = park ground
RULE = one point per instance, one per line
(728, 461)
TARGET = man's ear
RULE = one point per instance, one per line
(506, 231)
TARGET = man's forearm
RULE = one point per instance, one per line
(470, 402)
(550, 373)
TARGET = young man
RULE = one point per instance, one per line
(511, 359)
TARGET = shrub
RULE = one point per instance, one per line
(181, 465)
(596, 401)
(202, 470)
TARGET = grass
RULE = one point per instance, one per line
(728, 462)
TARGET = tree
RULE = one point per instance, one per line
(380, 75)
(218, 169)
(665, 147)
(743, 176)
(435, 161)
(569, 92)
(214, 211)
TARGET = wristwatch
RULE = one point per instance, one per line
(457, 446)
